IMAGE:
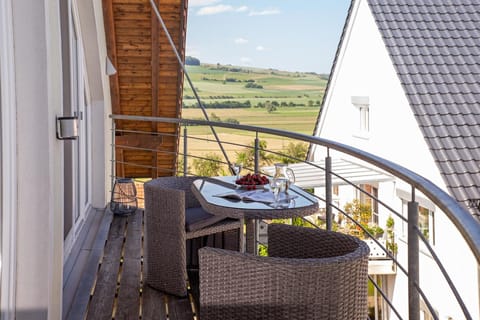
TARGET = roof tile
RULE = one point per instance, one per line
(434, 48)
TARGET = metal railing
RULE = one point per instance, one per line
(467, 226)
(465, 223)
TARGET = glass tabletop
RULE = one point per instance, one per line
(221, 196)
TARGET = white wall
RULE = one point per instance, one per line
(364, 68)
(37, 72)
(39, 159)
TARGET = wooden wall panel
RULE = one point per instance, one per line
(148, 81)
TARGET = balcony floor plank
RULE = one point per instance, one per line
(103, 298)
(128, 301)
(118, 291)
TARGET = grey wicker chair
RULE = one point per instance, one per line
(172, 216)
(309, 274)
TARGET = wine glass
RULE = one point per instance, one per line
(236, 168)
(277, 185)
(274, 188)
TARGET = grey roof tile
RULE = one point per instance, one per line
(434, 47)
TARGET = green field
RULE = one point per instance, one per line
(296, 119)
(227, 83)
(217, 83)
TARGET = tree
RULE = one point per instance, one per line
(294, 151)
(192, 61)
(247, 156)
(180, 166)
(270, 107)
(210, 166)
(253, 85)
(214, 117)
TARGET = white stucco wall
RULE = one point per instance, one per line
(39, 231)
(364, 69)
(35, 67)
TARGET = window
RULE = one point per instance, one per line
(362, 104)
(335, 190)
(426, 221)
(364, 118)
(425, 313)
(378, 308)
(370, 200)
(405, 215)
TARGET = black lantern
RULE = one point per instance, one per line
(124, 197)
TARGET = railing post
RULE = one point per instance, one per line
(413, 260)
(185, 150)
(257, 152)
(328, 190)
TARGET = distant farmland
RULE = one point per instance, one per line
(221, 83)
(276, 99)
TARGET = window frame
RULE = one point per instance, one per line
(362, 105)
(8, 160)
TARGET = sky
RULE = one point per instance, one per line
(290, 35)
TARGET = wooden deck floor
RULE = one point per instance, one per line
(118, 291)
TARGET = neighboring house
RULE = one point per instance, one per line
(405, 86)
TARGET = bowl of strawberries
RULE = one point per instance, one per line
(252, 181)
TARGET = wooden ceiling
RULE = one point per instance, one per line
(148, 82)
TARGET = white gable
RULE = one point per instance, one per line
(364, 72)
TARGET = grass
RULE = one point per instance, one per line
(296, 119)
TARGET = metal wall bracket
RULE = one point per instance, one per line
(67, 128)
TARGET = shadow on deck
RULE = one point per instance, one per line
(110, 284)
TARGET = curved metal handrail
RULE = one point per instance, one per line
(461, 218)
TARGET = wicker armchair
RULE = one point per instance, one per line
(172, 216)
(309, 274)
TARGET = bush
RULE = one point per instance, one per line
(253, 85)
(210, 166)
(232, 120)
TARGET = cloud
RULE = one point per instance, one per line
(246, 60)
(201, 3)
(242, 9)
(192, 51)
(241, 41)
(267, 12)
(260, 48)
(209, 10)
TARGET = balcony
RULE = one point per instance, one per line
(105, 280)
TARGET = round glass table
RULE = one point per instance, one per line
(221, 196)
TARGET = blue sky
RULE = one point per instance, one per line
(292, 35)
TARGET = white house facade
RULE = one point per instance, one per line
(52, 64)
(366, 106)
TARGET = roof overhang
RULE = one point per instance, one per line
(312, 174)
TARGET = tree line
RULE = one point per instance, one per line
(271, 105)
